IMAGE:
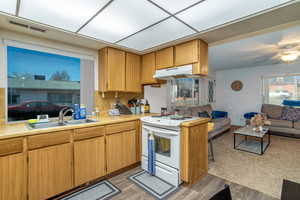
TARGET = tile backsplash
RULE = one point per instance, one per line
(104, 104)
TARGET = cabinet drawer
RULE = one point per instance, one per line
(11, 146)
(116, 128)
(48, 139)
(91, 132)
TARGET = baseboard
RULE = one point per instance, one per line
(290, 135)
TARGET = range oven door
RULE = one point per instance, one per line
(167, 145)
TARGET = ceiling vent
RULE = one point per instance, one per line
(27, 26)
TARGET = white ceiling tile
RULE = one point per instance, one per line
(166, 31)
(123, 18)
(66, 14)
(8, 6)
(173, 6)
(211, 13)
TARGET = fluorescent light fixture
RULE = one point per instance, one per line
(289, 57)
(66, 14)
(173, 6)
(165, 31)
(123, 18)
(212, 13)
(8, 6)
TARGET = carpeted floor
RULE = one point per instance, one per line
(263, 173)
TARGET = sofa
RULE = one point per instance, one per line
(279, 125)
(220, 119)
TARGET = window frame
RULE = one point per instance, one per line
(4, 43)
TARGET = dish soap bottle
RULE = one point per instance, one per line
(82, 111)
(76, 111)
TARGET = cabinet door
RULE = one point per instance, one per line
(148, 68)
(12, 181)
(115, 70)
(186, 53)
(114, 152)
(89, 160)
(164, 58)
(49, 171)
(202, 66)
(129, 148)
(133, 73)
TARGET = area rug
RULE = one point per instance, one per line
(99, 191)
(263, 173)
(155, 186)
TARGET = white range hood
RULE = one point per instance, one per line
(185, 70)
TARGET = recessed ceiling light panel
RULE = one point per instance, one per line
(166, 31)
(173, 6)
(66, 14)
(123, 18)
(211, 13)
(8, 6)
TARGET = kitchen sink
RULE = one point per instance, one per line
(56, 124)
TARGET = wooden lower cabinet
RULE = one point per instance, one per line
(12, 177)
(129, 148)
(49, 171)
(114, 152)
(120, 150)
(89, 160)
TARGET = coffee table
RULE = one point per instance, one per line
(253, 144)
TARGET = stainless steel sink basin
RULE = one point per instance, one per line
(56, 124)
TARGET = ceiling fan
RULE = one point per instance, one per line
(288, 52)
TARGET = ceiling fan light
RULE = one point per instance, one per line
(289, 57)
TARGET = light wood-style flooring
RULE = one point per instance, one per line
(202, 190)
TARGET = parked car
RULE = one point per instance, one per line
(280, 93)
(30, 109)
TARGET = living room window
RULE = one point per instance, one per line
(280, 88)
(42, 82)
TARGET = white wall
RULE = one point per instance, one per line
(250, 97)
(157, 97)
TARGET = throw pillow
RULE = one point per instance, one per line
(203, 114)
(290, 114)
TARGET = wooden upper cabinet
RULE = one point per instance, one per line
(201, 67)
(148, 68)
(164, 58)
(133, 73)
(193, 52)
(186, 53)
(112, 70)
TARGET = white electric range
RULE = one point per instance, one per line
(166, 131)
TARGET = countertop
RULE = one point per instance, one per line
(21, 129)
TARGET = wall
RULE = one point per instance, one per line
(249, 99)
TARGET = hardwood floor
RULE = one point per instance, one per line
(202, 190)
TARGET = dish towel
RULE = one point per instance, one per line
(151, 155)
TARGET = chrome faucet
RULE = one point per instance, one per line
(62, 114)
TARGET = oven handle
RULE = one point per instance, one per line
(160, 131)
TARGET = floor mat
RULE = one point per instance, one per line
(153, 185)
(99, 191)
